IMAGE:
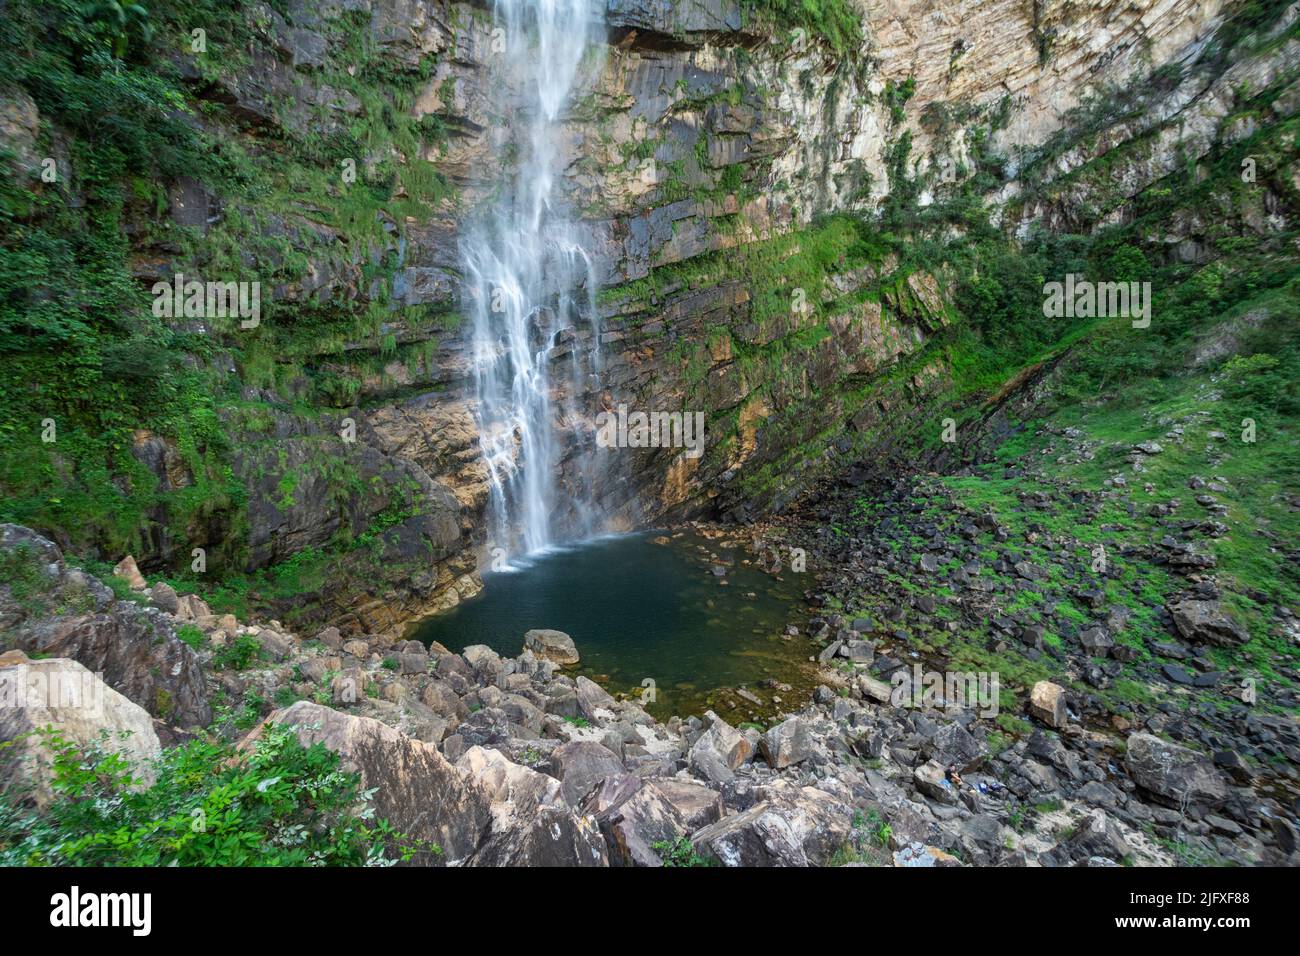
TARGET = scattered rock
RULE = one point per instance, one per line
(552, 645)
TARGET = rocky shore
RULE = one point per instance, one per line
(512, 761)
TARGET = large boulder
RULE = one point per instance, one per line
(555, 646)
(1176, 774)
(416, 790)
(63, 612)
(788, 826)
(638, 815)
(580, 765)
(592, 698)
(931, 779)
(954, 746)
(720, 751)
(1097, 835)
(788, 743)
(128, 571)
(1047, 703)
(531, 824)
(62, 695)
(1206, 622)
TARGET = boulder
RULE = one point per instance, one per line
(875, 690)
(953, 746)
(788, 743)
(1098, 835)
(1047, 703)
(137, 652)
(931, 780)
(62, 695)
(719, 751)
(591, 698)
(919, 855)
(549, 645)
(580, 765)
(635, 815)
(127, 570)
(1096, 641)
(1207, 622)
(1178, 775)
(164, 596)
(788, 826)
(416, 790)
(134, 649)
(482, 659)
(531, 824)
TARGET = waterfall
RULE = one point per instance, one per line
(525, 269)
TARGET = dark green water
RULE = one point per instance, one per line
(638, 610)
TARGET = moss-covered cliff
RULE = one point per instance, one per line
(826, 226)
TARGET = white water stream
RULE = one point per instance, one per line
(529, 281)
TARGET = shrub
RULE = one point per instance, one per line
(238, 654)
(679, 852)
(281, 804)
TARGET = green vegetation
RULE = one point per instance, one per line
(679, 852)
(90, 371)
(238, 653)
(280, 804)
(834, 22)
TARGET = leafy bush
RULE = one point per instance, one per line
(191, 635)
(238, 654)
(281, 804)
(679, 852)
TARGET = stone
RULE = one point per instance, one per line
(720, 751)
(1047, 703)
(592, 698)
(859, 652)
(875, 690)
(1096, 641)
(549, 645)
(917, 854)
(165, 597)
(61, 694)
(1207, 622)
(136, 651)
(1175, 773)
(786, 744)
(1098, 835)
(580, 765)
(349, 686)
(126, 570)
(635, 815)
(481, 658)
(954, 746)
(829, 651)
(275, 645)
(331, 638)
(931, 781)
(788, 826)
(531, 824)
(357, 648)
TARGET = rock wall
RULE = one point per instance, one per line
(703, 157)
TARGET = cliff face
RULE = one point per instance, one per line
(703, 158)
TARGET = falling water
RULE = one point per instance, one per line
(528, 279)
